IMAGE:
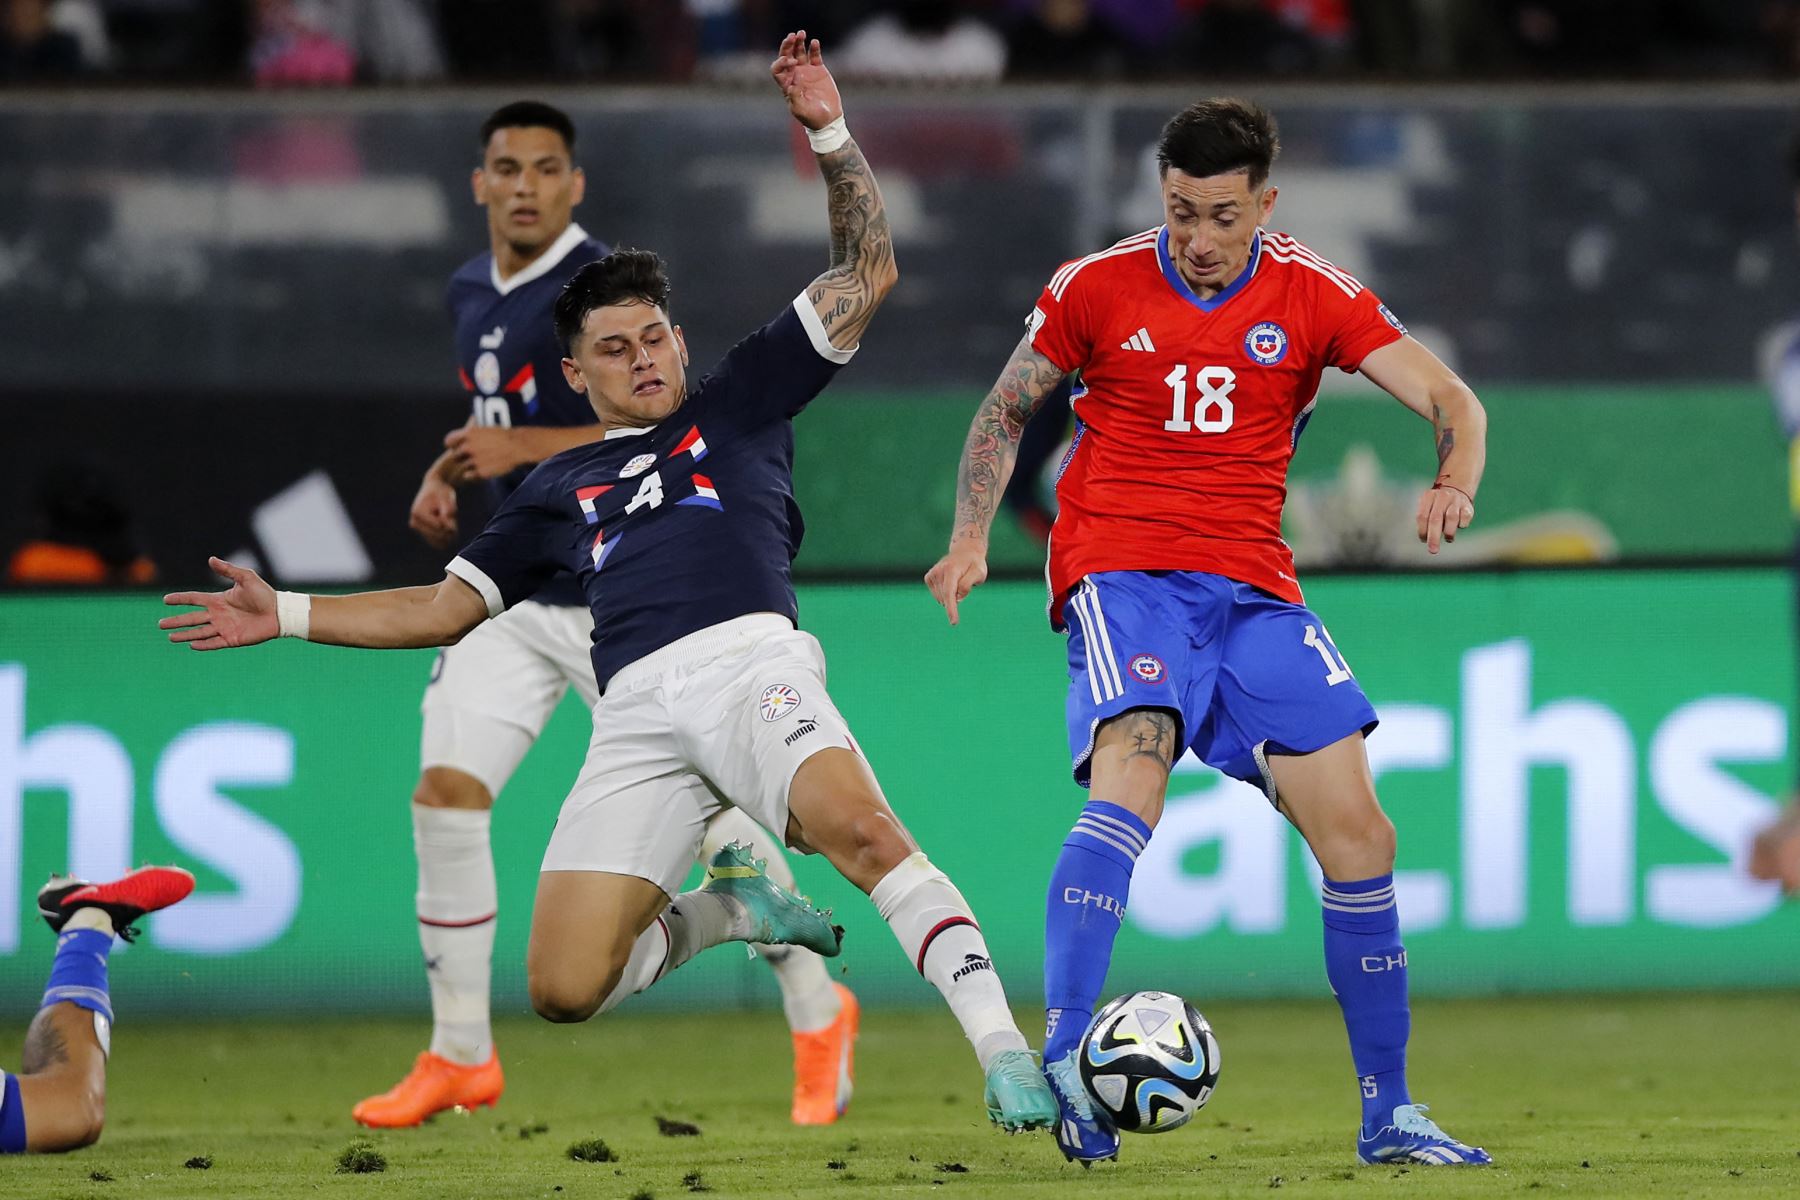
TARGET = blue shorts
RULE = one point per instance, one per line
(12, 1115)
(1248, 674)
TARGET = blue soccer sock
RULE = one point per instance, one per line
(1367, 967)
(78, 976)
(1086, 905)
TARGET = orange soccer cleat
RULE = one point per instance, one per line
(823, 1063)
(434, 1084)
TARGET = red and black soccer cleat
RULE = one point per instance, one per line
(125, 899)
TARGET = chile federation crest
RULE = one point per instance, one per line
(1267, 343)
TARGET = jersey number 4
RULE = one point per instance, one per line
(649, 493)
(1212, 408)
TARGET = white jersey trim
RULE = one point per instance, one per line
(1059, 283)
(478, 579)
(1293, 245)
(1285, 249)
(815, 330)
(540, 266)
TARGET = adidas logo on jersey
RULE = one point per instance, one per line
(1138, 341)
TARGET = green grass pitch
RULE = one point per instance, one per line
(1678, 1095)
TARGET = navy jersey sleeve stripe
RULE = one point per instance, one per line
(478, 579)
(815, 332)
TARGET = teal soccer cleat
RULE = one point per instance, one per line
(777, 916)
(1413, 1138)
(1017, 1096)
(1082, 1134)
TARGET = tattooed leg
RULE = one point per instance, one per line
(63, 1085)
(1133, 755)
(1091, 880)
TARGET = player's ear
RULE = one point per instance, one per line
(573, 377)
(1268, 202)
(478, 186)
(681, 345)
(578, 186)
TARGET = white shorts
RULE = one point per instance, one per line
(722, 716)
(491, 694)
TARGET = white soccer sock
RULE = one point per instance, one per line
(456, 904)
(807, 998)
(939, 935)
(693, 922)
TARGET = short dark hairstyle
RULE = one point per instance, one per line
(1214, 137)
(529, 114)
(622, 277)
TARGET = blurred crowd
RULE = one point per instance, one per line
(327, 43)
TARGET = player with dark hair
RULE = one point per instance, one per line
(681, 528)
(58, 1101)
(491, 695)
(1200, 345)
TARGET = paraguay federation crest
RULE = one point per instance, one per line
(1266, 342)
(778, 700)
(637, 466)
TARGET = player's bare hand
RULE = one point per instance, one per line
(434, 512)
(811, 92)
(483, 453)
(242, 616)
(1442, 512)
(1775, 854)
(957, 574)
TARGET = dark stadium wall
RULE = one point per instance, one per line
(1576, 475)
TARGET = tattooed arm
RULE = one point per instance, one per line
(987, 463)
(1415, 376)
(862, 269)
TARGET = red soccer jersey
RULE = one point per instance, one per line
(1192, 407)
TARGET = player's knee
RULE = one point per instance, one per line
(446, 787)
(872, 843)
(90, 1120)
(567, 1001)
(77, 1121)
(570, 992)
(1361, 844)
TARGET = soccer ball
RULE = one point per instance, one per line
(1150, 1062)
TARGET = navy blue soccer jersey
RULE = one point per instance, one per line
(508, 358)
(677, 527)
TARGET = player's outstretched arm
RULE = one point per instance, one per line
(862, 270)
(1417, 378)
(987, 463)
(251, 612)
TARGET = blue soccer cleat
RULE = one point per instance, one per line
(777, 916)
(1083, 1135)
(1017, 1096)
(1414, 1138)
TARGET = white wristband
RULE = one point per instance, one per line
(294, 611)
(830, 138)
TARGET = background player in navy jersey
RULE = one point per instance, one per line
(680, 527)
(1200, 346)
(491, 694)
(58, 1102)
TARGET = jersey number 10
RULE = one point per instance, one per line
(1212, 410)
(493, 412)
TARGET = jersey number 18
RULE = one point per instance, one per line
(1212, 409)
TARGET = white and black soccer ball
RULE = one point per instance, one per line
(1150, 1062)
